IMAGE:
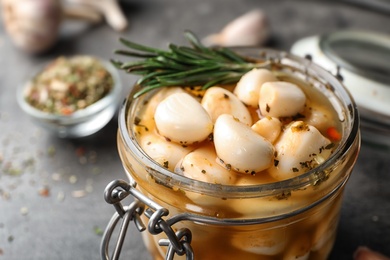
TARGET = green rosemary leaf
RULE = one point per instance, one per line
(231, 55)
(134, 54)
(117, 64)
(136, 46)
(188, 80)
(223, 79)
(197, 71)
(194, 65)
(194, 41)
(146, 90)
(150, 76)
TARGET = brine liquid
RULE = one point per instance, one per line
(310, 235)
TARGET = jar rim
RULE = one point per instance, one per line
(304, 180)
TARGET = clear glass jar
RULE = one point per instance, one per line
(291, 219)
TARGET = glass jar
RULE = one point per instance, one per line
(291, 219)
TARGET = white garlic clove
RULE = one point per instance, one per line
(166, 153)
(146, 123)
(326, 226)
(281, 99)
(299, 248)
(250, 29)
(248, 87)
(218, 101)
(268, 127)
(300, 148)
(239, 147)
(318, 116)
(201, 164)
(161, 94)
(256, 179)
(268, 242)
(182, 119)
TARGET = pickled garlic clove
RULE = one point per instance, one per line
(256, 179)
(326, 226)
(166, 153)
(299, 248)
(281, 99)
(318, 116)
(239, 147)
(182, 119)
(218, 101)
(248, 87)
(268, 127)
(262, 242)
(147, 120)
(201, 165)
(300, 148)
(160, 95)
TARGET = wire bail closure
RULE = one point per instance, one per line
(178, 243)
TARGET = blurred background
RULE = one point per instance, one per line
(51, 189)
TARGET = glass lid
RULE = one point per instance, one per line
(367, 54)
(362, 60)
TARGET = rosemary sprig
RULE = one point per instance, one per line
(184, 66)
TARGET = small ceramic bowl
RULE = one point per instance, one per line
(82, 122)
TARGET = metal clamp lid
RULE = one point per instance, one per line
(178, 242)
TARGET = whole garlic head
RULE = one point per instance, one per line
(32, 24)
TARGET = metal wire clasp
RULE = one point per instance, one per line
(178, 242)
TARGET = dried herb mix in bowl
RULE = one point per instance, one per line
(69, 84)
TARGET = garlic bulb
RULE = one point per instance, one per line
(182, 119)
(239, 147)
(250, 29)
(32, 24)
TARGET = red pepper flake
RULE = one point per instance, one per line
(44, 192)
(333, 134)
(66, 111)
(80, 151)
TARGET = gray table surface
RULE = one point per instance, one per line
(64, 226)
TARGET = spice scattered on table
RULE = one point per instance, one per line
(98, 231)
(44, 191)
(24, 211)
(78, 193)
(73, 179)
(69, 84)
(60, 196)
